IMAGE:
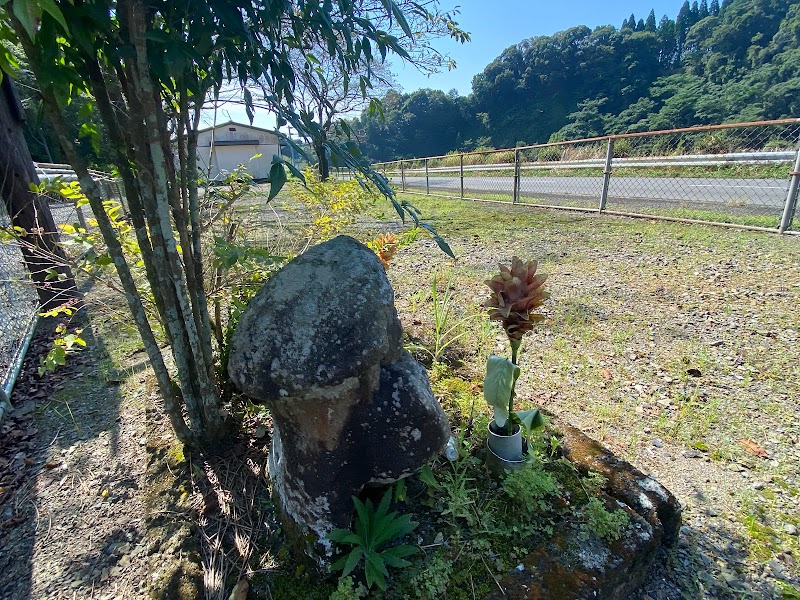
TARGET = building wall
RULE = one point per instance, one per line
(226, 158)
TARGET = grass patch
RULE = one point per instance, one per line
(654, 208)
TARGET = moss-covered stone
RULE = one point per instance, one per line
(576, 563)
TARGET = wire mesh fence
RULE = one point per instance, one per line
(744, 174)
(18, 307)
(19, 302)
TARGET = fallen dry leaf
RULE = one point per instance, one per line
(751, 447)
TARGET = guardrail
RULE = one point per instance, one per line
(743, 174)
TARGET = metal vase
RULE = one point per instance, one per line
(505, 453)
(506, 447)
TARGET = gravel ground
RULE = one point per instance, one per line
(676, 346)
(72, 467)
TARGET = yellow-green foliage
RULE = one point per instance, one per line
(459, 398)
(330, 206)
(348, 590)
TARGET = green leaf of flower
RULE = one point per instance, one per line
(352, 561)
(500, 373)
(531, 420)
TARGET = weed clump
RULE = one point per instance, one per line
(531, 487)
(606, 524)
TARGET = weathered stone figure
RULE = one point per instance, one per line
(320, 345)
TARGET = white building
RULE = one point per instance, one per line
(232, 144)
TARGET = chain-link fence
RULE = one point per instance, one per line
(19, 305)
(66, 211)
(18, 310)
(745, 174)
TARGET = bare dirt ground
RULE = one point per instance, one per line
(73, 472)
(85, 511)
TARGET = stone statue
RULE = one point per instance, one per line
(320, 345)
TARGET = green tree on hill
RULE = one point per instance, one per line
(713, 63)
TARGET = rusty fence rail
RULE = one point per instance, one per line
(745, 174)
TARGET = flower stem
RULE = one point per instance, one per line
(515, 344)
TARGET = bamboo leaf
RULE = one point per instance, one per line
(277, 179)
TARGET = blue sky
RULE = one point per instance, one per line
(494, 26)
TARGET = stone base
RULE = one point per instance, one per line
(574, 564)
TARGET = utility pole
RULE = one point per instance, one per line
(291, 148)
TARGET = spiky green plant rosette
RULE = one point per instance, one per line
(517, 291)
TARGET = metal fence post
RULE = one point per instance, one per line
(607, 173)
(515, 197)
(403, 175)
(461, 168)
(791, 197)
(81, 217)
(123, 200)
(427, 181)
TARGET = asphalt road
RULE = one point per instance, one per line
(733, 192)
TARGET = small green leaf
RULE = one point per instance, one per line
(427, 477)
(443, 245)
(531, 420)
(400, 490)
(59, 354)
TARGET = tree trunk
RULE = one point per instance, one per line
(41, 251)
(324, 163)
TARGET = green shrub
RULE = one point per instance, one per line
(330, 206)
(777, 145)
(451, 160)
(715, 142)
(475, 159)
(622, 148)
(549, 154)
(506, 156)
(662, 146)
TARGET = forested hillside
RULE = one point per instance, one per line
(711, 64)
